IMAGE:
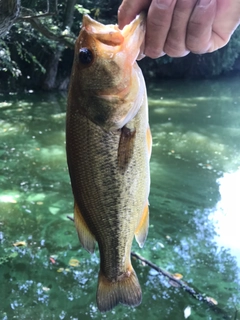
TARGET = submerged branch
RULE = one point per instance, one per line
(199, 296)
(179, 282)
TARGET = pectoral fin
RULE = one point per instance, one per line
(125, 148)
(86, 238)
(142, 229)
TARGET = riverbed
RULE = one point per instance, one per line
(194, 208)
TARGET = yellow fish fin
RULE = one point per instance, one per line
(125, 148)
(142, 229)
(149, 141)
(126, 290)
(85, 236)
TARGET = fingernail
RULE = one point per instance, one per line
(141, 56)
(155, 54)
(164, 4)
(203, 3)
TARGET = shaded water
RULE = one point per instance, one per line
(194, 208)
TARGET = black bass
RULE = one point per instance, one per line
(108, 150)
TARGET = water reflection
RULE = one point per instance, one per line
(194, 208)
(226, 214)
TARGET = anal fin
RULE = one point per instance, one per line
(142, 229)
(85, 236)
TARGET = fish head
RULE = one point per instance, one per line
(102, 74)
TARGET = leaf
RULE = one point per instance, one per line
(73, 262)
(178, 276)
(212, 301)
(187, 312)
(13, 255)
(53, 210)
(20, 244)
(45, 289)
(52, 260)
(81, 10)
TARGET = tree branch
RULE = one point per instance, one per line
(9, 11)
(28, 15)
(68, 19)
(42, 15)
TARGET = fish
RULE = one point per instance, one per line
(108, 146)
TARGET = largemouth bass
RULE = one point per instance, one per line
(108, 149)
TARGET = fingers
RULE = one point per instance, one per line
(158, 23)
(175, 45)
(129, 9)
(199, 30)
(176, 27)
(226, 21)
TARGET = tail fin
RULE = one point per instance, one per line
(126, 290)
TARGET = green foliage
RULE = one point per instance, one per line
(81, 10)
(26, 51)
(6, 63)
(223, 60)
(197, 66)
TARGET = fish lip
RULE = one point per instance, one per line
(94, 27)
(130, 28)
(87, 20)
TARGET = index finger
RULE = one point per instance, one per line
(129, 9)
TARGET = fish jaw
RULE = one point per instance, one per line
(128, 39)
(134, 34)
(105, 89)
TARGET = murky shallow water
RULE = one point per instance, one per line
(194, 208)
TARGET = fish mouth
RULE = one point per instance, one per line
(132, 34)
(138, 23)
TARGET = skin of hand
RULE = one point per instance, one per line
(177, 27)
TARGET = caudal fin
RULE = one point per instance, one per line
(126, 290)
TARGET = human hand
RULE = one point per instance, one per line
(176, 27)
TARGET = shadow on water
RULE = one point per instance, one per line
(194, 206)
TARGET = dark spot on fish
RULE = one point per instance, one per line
(85, 56)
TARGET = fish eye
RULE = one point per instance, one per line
(85, 56)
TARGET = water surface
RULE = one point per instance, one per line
(194, 208)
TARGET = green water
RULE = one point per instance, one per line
(194, 208)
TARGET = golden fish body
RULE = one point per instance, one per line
(108, 150)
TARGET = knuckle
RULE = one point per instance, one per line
(175, 51)
(153, 53)
(183, 5)
(197, 45)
